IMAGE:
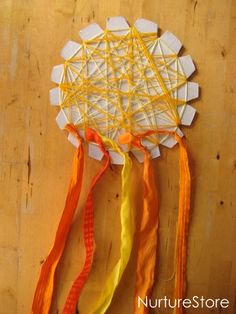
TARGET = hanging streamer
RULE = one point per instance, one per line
(88, 230)
(183, 224)
(126, 216)
(44, 290)
(147, 231)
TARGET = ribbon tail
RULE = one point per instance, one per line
(44, 290)
(182, 225)
(88, 234)
(147, 238)
(126, 216)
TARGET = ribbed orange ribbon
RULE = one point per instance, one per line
(44, 290)
(88, 230)
(147, 233)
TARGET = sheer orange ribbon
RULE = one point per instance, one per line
(88, 230)
(147, 234)
(44, 290)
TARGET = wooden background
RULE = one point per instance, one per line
(36, 157)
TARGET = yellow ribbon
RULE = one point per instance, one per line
(127, 229)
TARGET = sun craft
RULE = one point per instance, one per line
(124, 91)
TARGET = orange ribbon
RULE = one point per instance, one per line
(88, 230)
(44, 290)
(147, 239)
(183, 224)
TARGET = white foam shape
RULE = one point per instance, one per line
(138, 155)
(169, 142)
(187, 114)
(193, 90)
(168, 43)
(81, 133)
(179, 132)
(155, 152)
(61, 120)
(171, 41)
(95, 152)
(124, 147)
(57, 72)
(75, 115)
(116, 158)
(146, 26)
(173, 129)
(118, 24)
(187, 65)
(70, 49)
(124, 86)
(90, 32)
(146, 143)
(188, 91)
(54, 96)
(91, 67)
(73, 140)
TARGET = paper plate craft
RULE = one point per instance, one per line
(122, 93)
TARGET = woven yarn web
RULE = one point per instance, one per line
(123, 81)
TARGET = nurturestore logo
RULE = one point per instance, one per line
(195, 302)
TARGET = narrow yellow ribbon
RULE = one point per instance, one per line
(127, 229)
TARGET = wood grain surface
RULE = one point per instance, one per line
(36, 158)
